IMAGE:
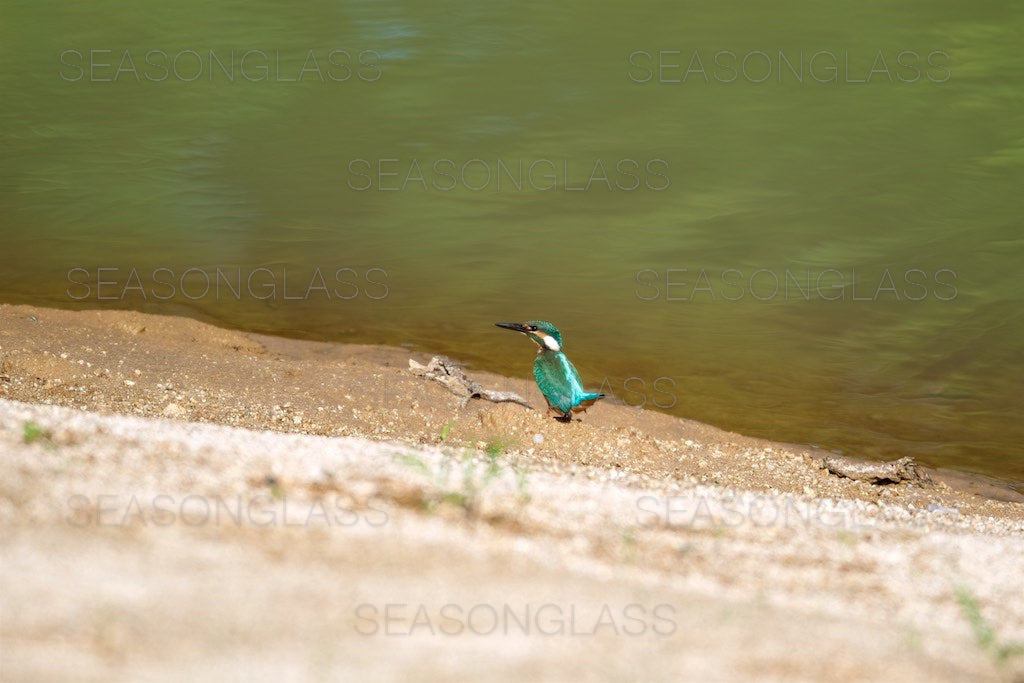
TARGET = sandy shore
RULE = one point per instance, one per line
(183, 500)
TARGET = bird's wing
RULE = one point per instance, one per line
(558, 380)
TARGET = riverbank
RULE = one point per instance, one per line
(180, 498)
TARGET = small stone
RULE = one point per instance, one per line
(937, 507)
(172, 410)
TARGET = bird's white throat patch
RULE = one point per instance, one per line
(550, 342)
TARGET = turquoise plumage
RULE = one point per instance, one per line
(556, 376)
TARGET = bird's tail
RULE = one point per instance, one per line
(588, 400)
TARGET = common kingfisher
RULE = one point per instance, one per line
(555, 375)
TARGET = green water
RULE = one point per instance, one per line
(446, 166)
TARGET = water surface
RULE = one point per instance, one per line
(831, 255)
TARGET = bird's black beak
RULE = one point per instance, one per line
(518, 327)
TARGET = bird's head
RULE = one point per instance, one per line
(543, 333)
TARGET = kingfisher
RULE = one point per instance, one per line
(555, 375)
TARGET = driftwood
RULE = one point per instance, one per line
(893, 472)
(447, 372)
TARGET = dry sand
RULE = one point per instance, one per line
(179, 500)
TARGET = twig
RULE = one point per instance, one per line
(893, 472)
(447, 372)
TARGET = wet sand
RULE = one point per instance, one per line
(180, 499)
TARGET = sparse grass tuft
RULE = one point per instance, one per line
(32, 432)
(496, 446)
(474, 478)
(414, 462)
(984, 634)
(629, 546)
(274, 484)
(522, 482)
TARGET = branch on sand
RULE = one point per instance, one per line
(893, 472)
(447, 372)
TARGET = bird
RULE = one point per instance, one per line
(557, 378)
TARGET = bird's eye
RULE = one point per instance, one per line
(532, 328)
